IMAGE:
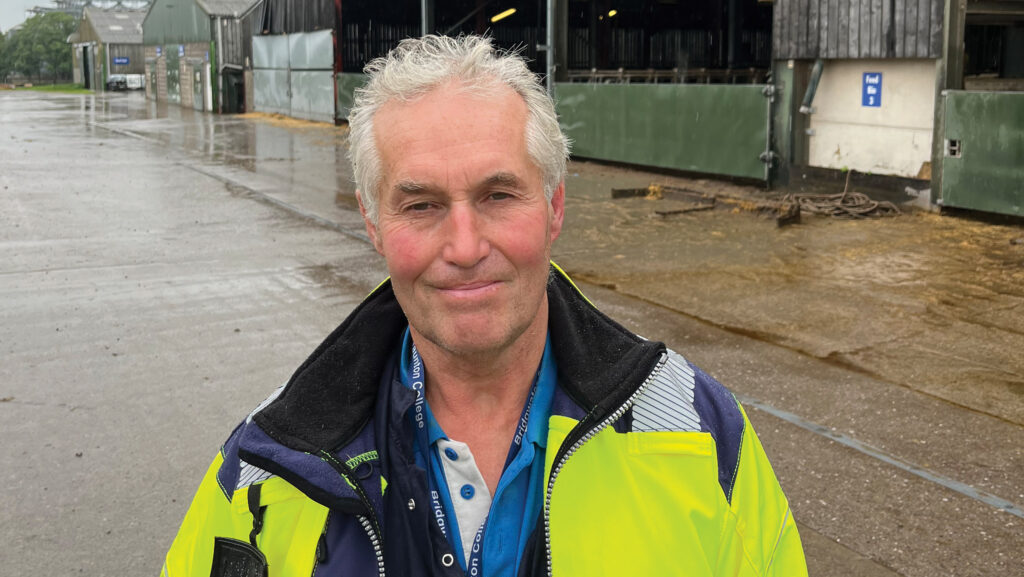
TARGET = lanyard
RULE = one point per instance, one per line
(474, 565)
(416, 381)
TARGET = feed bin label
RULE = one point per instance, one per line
(871, 91)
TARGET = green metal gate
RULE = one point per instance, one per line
(983, 163)
(719, 129)
(198, 85)
(151, 83)
(173, 74)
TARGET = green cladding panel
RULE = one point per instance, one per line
(175, 22)
(718, 129)
(346, 84)
(983, 165)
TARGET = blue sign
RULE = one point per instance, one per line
(121, 61)
(159, 51)
(871, 91)
(181, 51)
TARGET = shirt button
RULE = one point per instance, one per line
(451, 454)
(467, 491)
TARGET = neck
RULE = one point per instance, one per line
(478, 398)
(485, 389)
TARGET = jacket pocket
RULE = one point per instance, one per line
(670, 443)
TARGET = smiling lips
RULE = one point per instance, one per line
(469, 289)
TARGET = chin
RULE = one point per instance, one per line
(464, 344)
(472, 340)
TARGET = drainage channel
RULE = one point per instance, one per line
(847, 441)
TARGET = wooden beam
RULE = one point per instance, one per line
(949, 76)
(995, 7)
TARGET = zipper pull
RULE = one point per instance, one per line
(256, 511)
(321, 549)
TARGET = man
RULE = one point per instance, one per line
(476, 415)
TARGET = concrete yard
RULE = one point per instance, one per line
(161, 271)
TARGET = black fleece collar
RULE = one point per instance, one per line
(331, 396)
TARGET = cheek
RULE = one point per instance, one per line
(406, 253)
(528, 248)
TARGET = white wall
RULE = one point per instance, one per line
(76, 65)
(895, 138)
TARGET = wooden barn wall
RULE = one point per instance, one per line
(237, 39)
(857, 29)
(86, 33)
(136, 54)
(290, 16)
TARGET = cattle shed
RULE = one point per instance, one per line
(107, 42)
(199, 53)
(748, 89)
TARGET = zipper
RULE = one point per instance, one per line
(321, 546)
(557, 468)
(375, 541)
(368, 521)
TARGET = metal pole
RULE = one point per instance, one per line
(732, 31)
(220, 65)
(427, 16)
(550, 52)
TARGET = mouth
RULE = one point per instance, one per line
(469, 289)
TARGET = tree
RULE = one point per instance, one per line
(5, 67)
(41, 46)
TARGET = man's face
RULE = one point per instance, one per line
(463, 222)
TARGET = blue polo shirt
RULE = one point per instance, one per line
(519, 497)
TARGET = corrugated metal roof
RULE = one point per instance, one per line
(116, 26)
(236, 8)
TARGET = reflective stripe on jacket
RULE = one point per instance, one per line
(652, 467)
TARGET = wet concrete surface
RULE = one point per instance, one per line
(161, 271)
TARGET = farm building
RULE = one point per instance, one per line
(749, 89)
(199, 52)
(107, 42)
(917, 89)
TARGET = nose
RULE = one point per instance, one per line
(466, 243)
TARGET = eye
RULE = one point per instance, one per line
(419, 207)
(499, 196)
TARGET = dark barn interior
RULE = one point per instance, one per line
(679, 40)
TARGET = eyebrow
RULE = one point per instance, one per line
(503, 179)
(496, 179)
(409, 186)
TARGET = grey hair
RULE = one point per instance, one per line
(418, 65)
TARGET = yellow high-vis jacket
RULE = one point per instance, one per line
(652, 468)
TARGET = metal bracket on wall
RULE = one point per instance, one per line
(769, 91)
(768, 157)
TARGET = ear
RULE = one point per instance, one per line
(371, 229)
(557, 210)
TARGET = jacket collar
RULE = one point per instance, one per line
(331, 397)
